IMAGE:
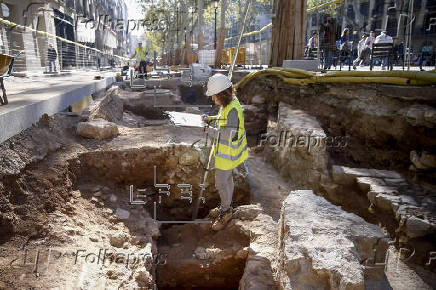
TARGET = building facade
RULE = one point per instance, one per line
(100, 24)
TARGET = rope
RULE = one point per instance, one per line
(45, 33)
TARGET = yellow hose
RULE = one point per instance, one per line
(294, 70)
(381, 80)
(301, 78)
(417, 75)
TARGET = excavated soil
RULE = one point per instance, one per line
(67, 221)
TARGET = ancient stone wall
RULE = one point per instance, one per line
(383, 124)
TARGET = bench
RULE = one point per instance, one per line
(381, 50)
(430, 56)
(311, 53)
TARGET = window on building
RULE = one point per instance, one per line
(5, 10)
(314, 19)
(431, 4)
(392, 26)
(350, 11)
(364, 8)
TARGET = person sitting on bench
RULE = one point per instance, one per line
(384, 38)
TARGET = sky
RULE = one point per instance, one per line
(134, 12)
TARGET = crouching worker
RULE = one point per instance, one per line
(230, 144)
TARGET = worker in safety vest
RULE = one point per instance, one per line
(230, 148)
(141, 57)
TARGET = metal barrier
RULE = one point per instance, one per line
(49, 53)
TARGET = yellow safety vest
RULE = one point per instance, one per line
(230, 153)
(141, 54)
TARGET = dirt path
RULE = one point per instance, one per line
(267, 186)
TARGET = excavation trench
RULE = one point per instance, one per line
(186, 255)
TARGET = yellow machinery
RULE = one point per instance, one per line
(240, 59)
(226, 56)
(228, 53)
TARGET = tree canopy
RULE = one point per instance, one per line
(169, 22)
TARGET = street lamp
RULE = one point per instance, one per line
(163, 58)
(215, 2)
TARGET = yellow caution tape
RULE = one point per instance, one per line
(45, 33)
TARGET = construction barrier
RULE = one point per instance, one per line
(228, 53)
(44, 33)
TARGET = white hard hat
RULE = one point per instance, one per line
(217, 83)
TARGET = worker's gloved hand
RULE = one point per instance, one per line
(205, 118)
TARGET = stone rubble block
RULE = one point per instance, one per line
(387, 202)
(144, 279)
(189, 158)
(365, 183)
(423, 160)
(385, 174)
(395, 181)
(258, 100)
(347, 176)
(319, 237)
(416, 227)
(407, 199)
(420, 115)
(298, 153)
(122, 214)
(262, 251)
(251, 112)
(118, 240)
(97, 129)
(384, 189)
(109, 108)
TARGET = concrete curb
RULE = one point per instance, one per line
(14, 121)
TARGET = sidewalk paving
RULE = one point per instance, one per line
(31, 97)
(378, 68)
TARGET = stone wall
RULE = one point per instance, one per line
(295, 145)
(364, 130)
(383, 123)
(324, 247)
(175, 164)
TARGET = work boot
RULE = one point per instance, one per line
(214, 213)
(222, 220)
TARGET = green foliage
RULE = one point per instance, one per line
(160, 16)
(332, 10)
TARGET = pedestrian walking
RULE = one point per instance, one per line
(329, 32)
(51, 56)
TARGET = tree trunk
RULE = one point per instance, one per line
(385, 12)
(421, 15)
(359, 19)
(188, 50)
(200, 24)
(222, 34)
(288, 31)
(370, 18)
